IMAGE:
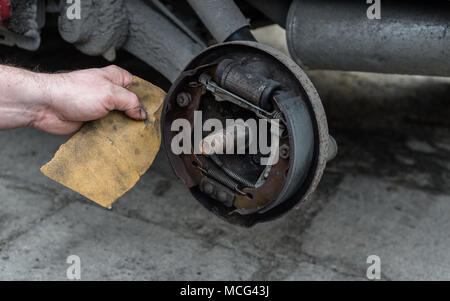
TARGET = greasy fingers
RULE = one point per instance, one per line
(128, 102)
(122, 99)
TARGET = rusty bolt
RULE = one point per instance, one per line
(208, 188)
(284, 151)
(184, 99)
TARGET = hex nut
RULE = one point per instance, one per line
(184, 99)
(284, 151)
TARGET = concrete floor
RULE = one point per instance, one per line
(387, 194)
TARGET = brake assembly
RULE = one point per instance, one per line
(271, 145)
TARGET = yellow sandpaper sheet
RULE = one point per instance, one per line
(107, 157)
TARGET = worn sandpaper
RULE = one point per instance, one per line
(107, 157)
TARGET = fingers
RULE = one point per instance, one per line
(117, 75)
(128, 102)
(122, 99)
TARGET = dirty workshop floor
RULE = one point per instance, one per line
(387, 193)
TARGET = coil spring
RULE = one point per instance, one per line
(217, 174)
(277, 115)
(231, 173)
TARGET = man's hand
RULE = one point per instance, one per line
(61, 103)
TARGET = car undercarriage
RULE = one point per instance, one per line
(215, 65)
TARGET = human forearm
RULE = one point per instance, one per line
(22, 95)
(61, 103)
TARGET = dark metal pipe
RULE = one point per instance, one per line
(409, 38)
(222, 18)
(276, 11)
(243, 34)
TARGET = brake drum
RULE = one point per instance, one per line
(246, 81)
